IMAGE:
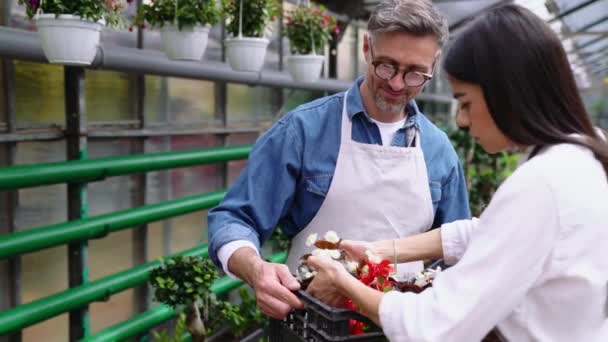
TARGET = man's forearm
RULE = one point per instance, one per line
(243, 263)
(417, 247)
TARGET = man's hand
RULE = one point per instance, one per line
(273, 283)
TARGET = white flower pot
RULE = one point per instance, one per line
(68, 39)
(188, 44)
(305, 68)
(246, 53)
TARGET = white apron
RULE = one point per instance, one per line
(377, 193)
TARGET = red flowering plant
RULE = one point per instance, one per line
(373, 271)
(309, 28)
(109, 11)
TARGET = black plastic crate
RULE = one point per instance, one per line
(319, 322)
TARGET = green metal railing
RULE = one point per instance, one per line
(82, 171)
(97, 169)
(99, 226)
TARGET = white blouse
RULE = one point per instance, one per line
(535, 264)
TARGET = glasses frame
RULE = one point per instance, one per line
(426, 77)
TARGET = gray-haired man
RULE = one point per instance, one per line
(364, 163)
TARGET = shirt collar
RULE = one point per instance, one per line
(354, 105)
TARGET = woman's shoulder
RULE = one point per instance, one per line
(570, 171)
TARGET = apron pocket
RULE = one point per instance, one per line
(319, 185)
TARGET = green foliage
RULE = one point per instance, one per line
(257, 15)
(246, 316)
(279, 241)
(484, 172)
(306, 25)
(189, 13)
(95, 10)
(182, 281)
(180, 329)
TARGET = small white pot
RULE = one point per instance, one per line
(305, 68)
(246, 53)
(188, 44)
(68, 39)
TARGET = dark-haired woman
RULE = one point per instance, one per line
(534, 264)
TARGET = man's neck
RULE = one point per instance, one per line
(369, 103)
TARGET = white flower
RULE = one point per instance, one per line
(351, 266)
(311, 239)
(327, 253)
(365, 270)
(371, 256)
(332, 237)
(420, 282)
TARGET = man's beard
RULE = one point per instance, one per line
(388, 107)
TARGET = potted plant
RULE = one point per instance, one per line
(308, 30)
(70, 30)
(184, 25)
(247, 21)
(185, 284)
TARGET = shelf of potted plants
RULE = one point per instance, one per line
(184, 25)
(308, 29)
(246, 48)
(69, 30)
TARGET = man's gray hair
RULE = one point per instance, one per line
(417, 17)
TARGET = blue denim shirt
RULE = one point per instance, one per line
(291, 166)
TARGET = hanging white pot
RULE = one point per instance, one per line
(305, 68)
(68, 39)
(189, 43)
(246, 53)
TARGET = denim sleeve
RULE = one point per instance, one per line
(262, 194)
(454, 203)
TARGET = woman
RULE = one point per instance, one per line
(534, 264)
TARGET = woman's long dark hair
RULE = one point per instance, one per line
(526, 79)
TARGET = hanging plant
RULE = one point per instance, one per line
(258, 14)
(184, 13)
(108, 11)
(309, 29)
(247, 22)
(70, 30)
(184, 25)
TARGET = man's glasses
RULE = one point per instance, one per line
(387, 71)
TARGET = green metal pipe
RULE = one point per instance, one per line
(151, 318)
(39, 310)
(96, 169)
(98, 226)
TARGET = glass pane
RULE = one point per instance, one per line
(43, 272)
(250, 105)
(187, 231)
(347, 49)
(114, 252)
(235, 167)
(107, 96)
(39, 92)
(191, 100)
(155, 99)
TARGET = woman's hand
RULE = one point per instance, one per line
(355, 250)
(326, 284)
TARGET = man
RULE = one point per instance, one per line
(364, 163)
